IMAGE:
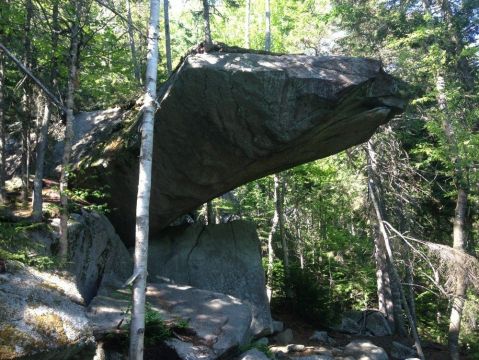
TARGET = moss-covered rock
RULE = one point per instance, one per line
(41, 315)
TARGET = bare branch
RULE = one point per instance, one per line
(28, 73)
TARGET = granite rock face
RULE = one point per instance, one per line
(228, 118)
(99, 259)
(223, 258)
(41, 316)
(220, 322)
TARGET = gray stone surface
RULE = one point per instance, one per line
(401, 351)
(295, 347)
(224, 258)
(98, 258)
(349, 326)
(41, 315)
(228, 118)
(262, 341)
(220, 322)
(314, 357)
(365, 350)
(278, 326)
(377, 324)
(285, 337)
(253, 354)
(322, 337)
(368, 322)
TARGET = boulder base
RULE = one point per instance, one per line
(223, 258)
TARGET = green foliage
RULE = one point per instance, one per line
(15, 244)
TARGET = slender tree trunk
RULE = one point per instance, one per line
(3, 195)
(210, 213)
(137, 328)
(267, 42)
(26, 103)
(385, 299)
(248, 24)
(385, 238)
(206, 19)
(40, 160)
(131, 37)
(280, 187)
(166, 12)
(272, 232)
(459, 243)
(43, 136)
(459, 226)
(72, 79)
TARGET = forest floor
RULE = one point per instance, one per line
(302, 331)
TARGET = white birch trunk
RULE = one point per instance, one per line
(137, 326)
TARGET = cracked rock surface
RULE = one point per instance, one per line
(220, 322)
(223, 258)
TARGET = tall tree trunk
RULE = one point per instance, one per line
(210, 213)
(72, 79)
(43, 136)
(26, 103)
(383, 281)
(267, 41)
(40, 161)
(206, 20)
(272, 232)
(389, 303)
(247, 24)
(459, 243)
(280, 188)
(166, 12)
(3, 195)
(131, 38)
(394, 277)
(459, 226)
(137, 328)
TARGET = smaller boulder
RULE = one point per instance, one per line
(278, 326)
(401, 351)
(377, 324)
(315, 357)
(264, 341)
(322, 337)
(295, 348)
(253, 354)
(365, 350)
(285, 337)
(349, 326)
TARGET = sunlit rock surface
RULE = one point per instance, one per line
(223, 258)
(219, 323)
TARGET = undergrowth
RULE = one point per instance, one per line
(15, 244)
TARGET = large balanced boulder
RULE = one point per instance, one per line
(223, 258)
(228, 118)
